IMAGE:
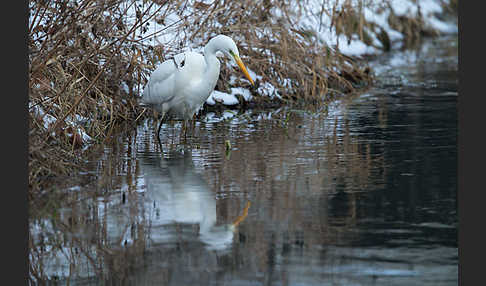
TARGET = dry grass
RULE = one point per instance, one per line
(80, 55)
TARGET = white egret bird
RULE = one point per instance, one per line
(180, 85)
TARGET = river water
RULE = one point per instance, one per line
(361, 192)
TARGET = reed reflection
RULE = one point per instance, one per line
(168, 230)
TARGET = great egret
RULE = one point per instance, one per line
(180, 85)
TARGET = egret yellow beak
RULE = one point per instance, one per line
(243, 68)
(239, 219)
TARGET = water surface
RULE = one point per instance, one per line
(362, 192)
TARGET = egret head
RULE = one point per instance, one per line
(228, 47)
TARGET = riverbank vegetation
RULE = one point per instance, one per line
(89, 60)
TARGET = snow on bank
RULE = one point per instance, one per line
(75, 123)
(265, 89)
(314, 19)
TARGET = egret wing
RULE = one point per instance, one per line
(160, 87)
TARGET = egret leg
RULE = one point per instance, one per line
(158, 135)
(160, 126)
(158, 132)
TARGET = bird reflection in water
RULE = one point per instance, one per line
(180, 198)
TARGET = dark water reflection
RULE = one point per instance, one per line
(361, 193)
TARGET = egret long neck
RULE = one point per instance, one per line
(212, 64)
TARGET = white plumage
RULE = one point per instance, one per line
(180, 85)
